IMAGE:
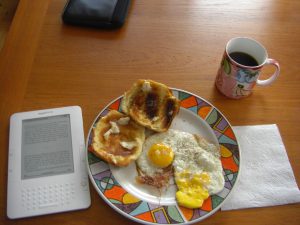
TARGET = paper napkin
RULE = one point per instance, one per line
(266, 177)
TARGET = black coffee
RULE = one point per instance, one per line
(243, 59)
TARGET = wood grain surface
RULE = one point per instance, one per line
(45, 64)
(7, 11)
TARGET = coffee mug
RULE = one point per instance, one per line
(241, 66)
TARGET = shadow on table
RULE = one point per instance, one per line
(241, 109)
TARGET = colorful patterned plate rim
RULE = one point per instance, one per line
(123, 198)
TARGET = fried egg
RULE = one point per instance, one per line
(196, 163)
(155, 164)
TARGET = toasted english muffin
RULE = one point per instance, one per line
(117, 139)
(151, 104)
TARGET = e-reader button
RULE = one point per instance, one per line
(83, 183)
(82, 153)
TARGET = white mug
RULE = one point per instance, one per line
(241, 66)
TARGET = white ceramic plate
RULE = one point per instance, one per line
(145, 204)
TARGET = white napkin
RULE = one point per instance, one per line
(266, 177)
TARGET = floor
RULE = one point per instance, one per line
(7, 11)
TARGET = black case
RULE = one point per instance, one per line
(106, 14)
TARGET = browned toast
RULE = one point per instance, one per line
(151, 104)
(117, 139)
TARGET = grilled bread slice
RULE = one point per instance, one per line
(151, 104)
(117, 139)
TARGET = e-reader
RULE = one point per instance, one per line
(46, 163)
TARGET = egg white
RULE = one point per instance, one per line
(189, 155)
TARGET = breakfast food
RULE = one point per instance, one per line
(151, 104)
(117, 139)
(196, 163)
(155, 164)
(149, 108)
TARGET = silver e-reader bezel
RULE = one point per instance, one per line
(43, 179)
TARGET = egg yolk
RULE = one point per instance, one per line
(161, 155)
(191, 193)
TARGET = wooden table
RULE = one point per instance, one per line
(45, 64)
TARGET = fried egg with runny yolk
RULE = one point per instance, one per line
(160, 155)
(194, 162)
(155, 164)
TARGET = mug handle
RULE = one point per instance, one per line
(273, 77)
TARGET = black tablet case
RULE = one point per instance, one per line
(107, 14)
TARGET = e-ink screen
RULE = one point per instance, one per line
(46, 147)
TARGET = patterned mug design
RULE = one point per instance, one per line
(237, 81)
